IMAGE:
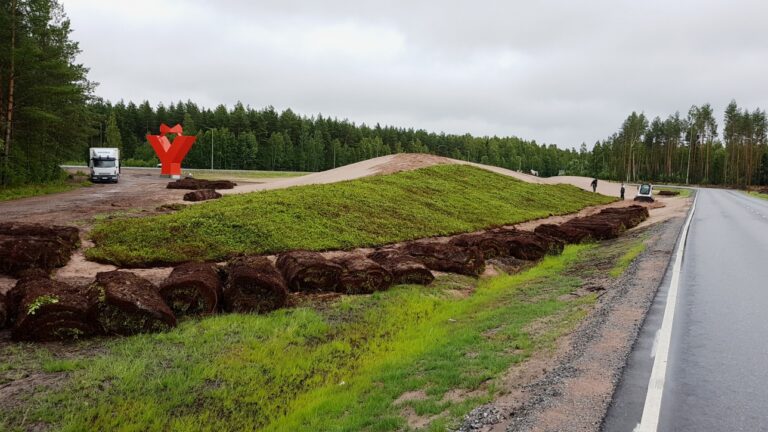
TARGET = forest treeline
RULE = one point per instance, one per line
(49, 115)
(265, 139)
(678, 149)
(689, 150)
(45, 115)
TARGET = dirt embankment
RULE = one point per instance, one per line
(409, 161)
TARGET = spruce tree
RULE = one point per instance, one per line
(112, 134)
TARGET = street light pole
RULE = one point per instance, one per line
(212, 149)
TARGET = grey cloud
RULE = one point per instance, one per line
(556, 71)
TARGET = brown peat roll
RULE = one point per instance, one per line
(19, 253)
(201, 195)
(447, 257)
(4, 320)
(404, 268)
(599, 228)
(254, 285)
(125, 304)
(190, 183)
(48, 310)
(565, 233)
(361, 275)
(489, 244)
(67, 234)
(526, 245)
(308, 271)
(192, 289)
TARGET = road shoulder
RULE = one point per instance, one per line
(572, 387)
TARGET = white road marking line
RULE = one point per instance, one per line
(652, 408)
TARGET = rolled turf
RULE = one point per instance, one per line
(254, 285)
(361, 275)
(192, 289)
(405, 269)
(49, 310)
(123, 303)
(308, 271)
(446, 257)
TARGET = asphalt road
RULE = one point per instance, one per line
(717, 374)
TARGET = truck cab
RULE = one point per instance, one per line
(104, 164)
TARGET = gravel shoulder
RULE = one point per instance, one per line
(570, 388)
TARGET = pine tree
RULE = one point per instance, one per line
(112, 134)
(44, 117)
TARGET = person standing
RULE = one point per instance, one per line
(594, 185)
(622, 191)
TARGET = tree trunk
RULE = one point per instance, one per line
(11, 87)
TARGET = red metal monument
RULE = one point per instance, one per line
(171, 154)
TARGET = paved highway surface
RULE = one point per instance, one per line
(717, 371)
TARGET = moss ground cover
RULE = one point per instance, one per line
(377, 210)
(17, 192)
(626, 259)
(241, 174)
(684, 192)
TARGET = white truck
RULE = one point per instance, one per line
(104, 164)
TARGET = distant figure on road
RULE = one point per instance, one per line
(622, 191)
(594, 185)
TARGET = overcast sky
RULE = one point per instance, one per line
(558, 71)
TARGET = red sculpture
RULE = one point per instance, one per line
(171, 154)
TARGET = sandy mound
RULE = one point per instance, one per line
(410, 161)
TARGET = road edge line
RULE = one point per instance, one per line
(652, 407)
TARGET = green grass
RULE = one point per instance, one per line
(684, 192)
(242, 174)
(17, 192)
(758, 195)
(203, 173)
(626, 259)
(338, 368)
(377, 210)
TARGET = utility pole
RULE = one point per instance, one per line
(212, 149)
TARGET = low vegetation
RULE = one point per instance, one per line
(337, 367)
(30, 190)
(240, 174)
(378, 210)
(683, 192)
(626, 259)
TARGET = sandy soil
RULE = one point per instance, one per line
(410, 161)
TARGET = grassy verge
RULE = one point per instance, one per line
(625, 260)
(684, 193)
(245, 175)
(17, 192)
(336, 368)
(372, 211)
(758, 195)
